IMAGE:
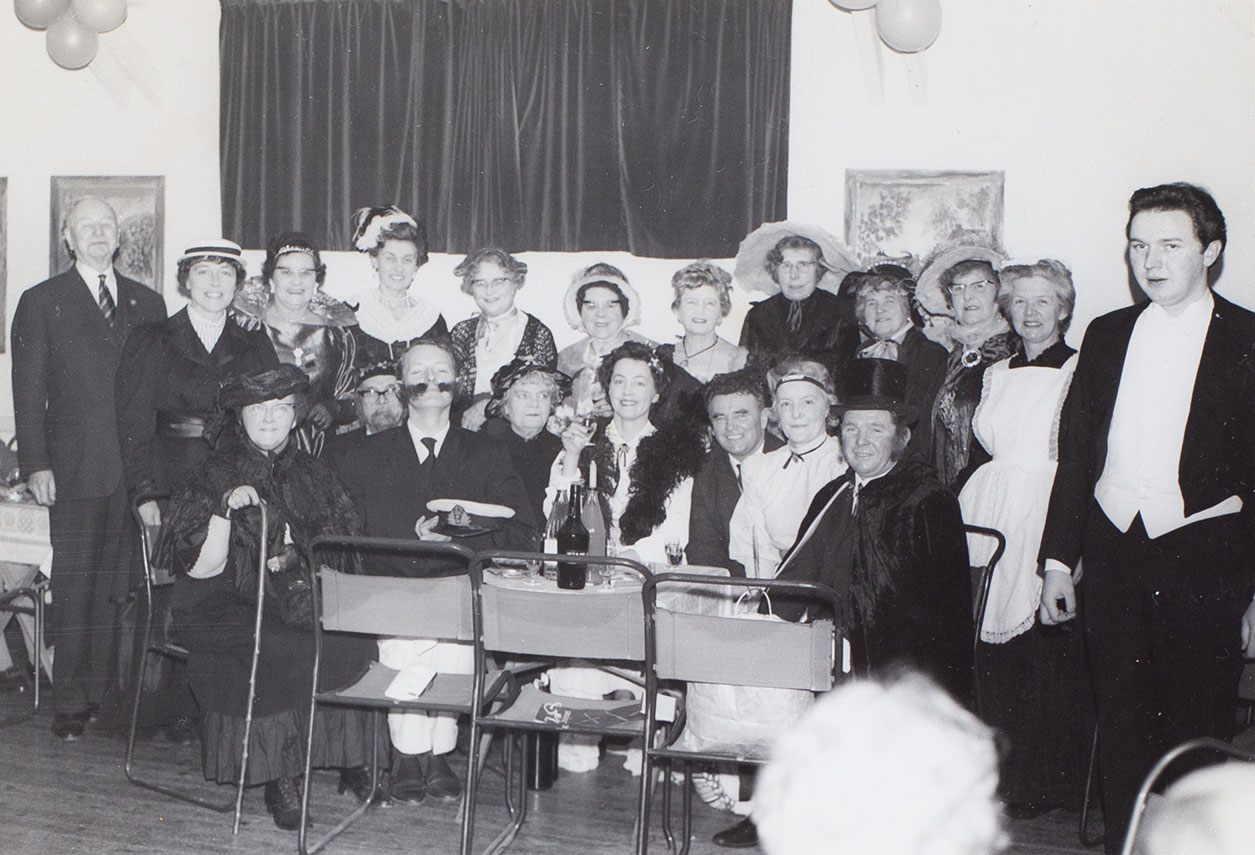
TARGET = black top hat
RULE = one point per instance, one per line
(877, 384)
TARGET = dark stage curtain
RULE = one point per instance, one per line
(655, 126)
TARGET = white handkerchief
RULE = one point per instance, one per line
(410, 682)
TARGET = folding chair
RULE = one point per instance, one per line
(436, 608)
(164, 646)
(730, 650)
(33, 594)
(600, 626)
(1143, 794)
(984, 579)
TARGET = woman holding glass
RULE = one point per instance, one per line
(645, 474)
(500, 332)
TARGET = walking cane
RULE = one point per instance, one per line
(252, 675)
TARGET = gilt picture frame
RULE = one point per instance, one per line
(139, 202)
(900, 212)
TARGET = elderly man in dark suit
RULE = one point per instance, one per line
(393, 476)
(67, 339)
(1155, 490)
(737, 406)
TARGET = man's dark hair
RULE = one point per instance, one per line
(1193, 200)
(746, 381)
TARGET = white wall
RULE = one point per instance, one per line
(147, 105)
(1079, 102)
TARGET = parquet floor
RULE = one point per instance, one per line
(65, 799)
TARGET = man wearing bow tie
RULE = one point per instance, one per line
(67, 336)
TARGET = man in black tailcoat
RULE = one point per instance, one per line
(67, 336)
(1155, 490)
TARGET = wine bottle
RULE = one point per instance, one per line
(557, 516)
(594, 518)
(573, 540)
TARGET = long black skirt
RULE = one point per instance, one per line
(1035, 692)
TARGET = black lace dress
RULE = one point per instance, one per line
(214, 617)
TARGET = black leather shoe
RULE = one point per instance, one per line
(68, 726)
(740, 836)
(357, 781)
(92, 713)
(283, 800)
(409, 784)
(442, 782)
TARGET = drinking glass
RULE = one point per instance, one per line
(675, 552)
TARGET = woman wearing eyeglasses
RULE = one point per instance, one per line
(962, 282)
(500, 333)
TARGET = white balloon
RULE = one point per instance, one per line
(70, 44)
(100, 16)
(40, 14)
(908, 26)
(853, 5)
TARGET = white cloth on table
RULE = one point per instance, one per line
(416, 732)
(774, 499)
(1017, 421)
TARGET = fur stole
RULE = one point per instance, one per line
(674, 451)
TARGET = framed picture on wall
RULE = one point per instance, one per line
(138, 200)
(4, 257)
(893, 212)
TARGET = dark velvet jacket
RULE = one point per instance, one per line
(824, 335)
(166, 373)
(907, 596)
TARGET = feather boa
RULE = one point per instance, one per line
(672, 453)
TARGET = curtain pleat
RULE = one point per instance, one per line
(655, 126)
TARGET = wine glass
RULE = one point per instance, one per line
(675, 552)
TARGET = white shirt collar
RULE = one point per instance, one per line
(1194, 318)
(860, 481)
(92, 277)
(416, 436)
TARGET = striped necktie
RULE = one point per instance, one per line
(105, 299)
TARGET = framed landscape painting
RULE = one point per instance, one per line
(139, 202)
(898, 211)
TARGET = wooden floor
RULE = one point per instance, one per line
(64, 798)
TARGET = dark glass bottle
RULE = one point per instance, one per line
(573, 540)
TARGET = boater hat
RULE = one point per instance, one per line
(877, 384)
(227, 250)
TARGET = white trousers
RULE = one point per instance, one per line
(414, 732)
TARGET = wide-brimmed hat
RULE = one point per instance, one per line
(609, 275)
(877, 384)
(751, 257)
(973, 247)
(514, 371)
(259, 386)
(227, 250)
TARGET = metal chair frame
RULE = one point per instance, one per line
(164, 648)
(34, 594)
(343, 602)
(742, 657)
(236, 805)
(1148, 783)
(603, 651)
